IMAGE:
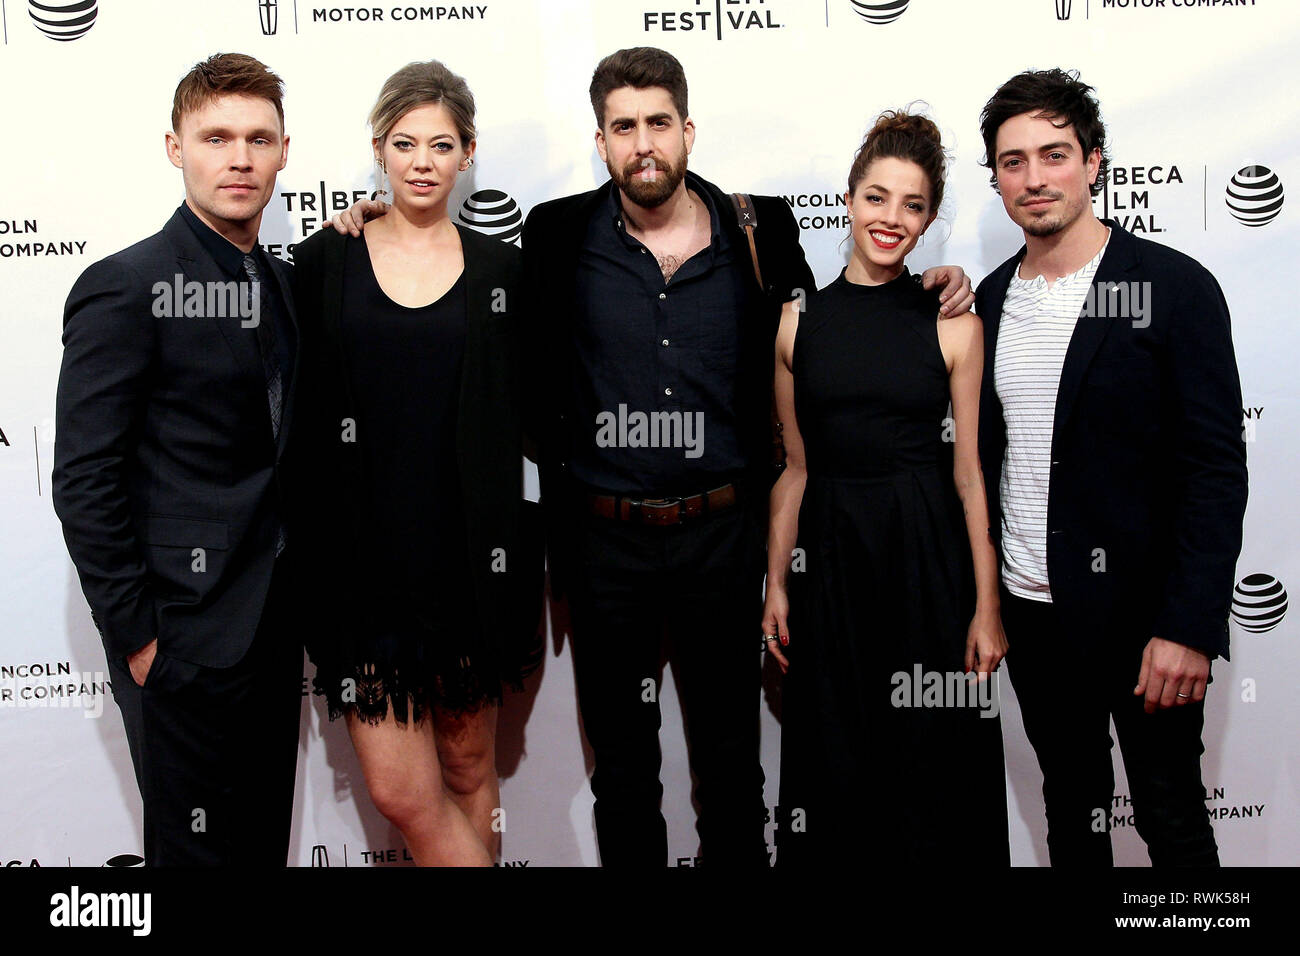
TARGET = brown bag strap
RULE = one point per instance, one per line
(747, 219)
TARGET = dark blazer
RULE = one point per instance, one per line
(1148, 457)
(552, 239)
(163, 446)
(325, 473)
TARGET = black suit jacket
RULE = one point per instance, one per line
(325, 484)
(1148, 474)
(164, 446)
(552, 239)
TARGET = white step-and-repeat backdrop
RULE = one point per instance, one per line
(1200, 99)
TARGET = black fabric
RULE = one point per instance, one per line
(418, 646)
(1162, 751)
(268, 345)
(1148, 458)
(553, 236)
(215, 749)
(639, 338)
(699, 583)
(347, 580)
(883, 599)
(230, 259)
(165, 446)
(700, 580)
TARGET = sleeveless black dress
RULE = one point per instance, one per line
(883, 600)
(420, 642)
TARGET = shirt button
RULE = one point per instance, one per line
(663, 295)
(668, 391)
(664, 343)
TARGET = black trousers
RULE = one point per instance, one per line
(700, 583)
(1068, 695)
(215, 749)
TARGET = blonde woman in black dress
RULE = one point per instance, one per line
(408, 481)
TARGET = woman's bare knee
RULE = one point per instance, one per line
(401, 770)
(465, 773)
(467, 750)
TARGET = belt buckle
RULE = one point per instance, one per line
(658, 504)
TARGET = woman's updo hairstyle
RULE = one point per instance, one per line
(898, 134)
(422, 84)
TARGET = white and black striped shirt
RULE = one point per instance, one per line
(1033, 335)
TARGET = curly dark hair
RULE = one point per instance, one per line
(1056, 95)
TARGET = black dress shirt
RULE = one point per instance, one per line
(654, 348)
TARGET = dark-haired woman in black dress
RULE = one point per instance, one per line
(886, 619)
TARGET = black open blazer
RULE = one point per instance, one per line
(325, 472)
(1148, 475)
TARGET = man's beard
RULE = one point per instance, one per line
(1052, 224)
(1049, 227)
(649, 193)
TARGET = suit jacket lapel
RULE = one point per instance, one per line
(559, 298)
(1090, 329)
(331, 305)
(990, 313)
(478, 287)
(195, 265)
(478, 306)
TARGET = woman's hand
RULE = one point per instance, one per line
(775, 630)
(986, 643)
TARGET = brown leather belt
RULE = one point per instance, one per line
(662, 511)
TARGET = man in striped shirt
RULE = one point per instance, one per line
(1115, 467)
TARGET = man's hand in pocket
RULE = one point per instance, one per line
(141, 661)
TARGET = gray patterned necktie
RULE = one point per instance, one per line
(274, 375)
(266, 345)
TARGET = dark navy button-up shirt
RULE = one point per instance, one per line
(654, 382)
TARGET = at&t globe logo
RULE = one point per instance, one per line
(1255, 196)
(63, 21)
(880, 11)
(493, 213)
(1259, 603)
